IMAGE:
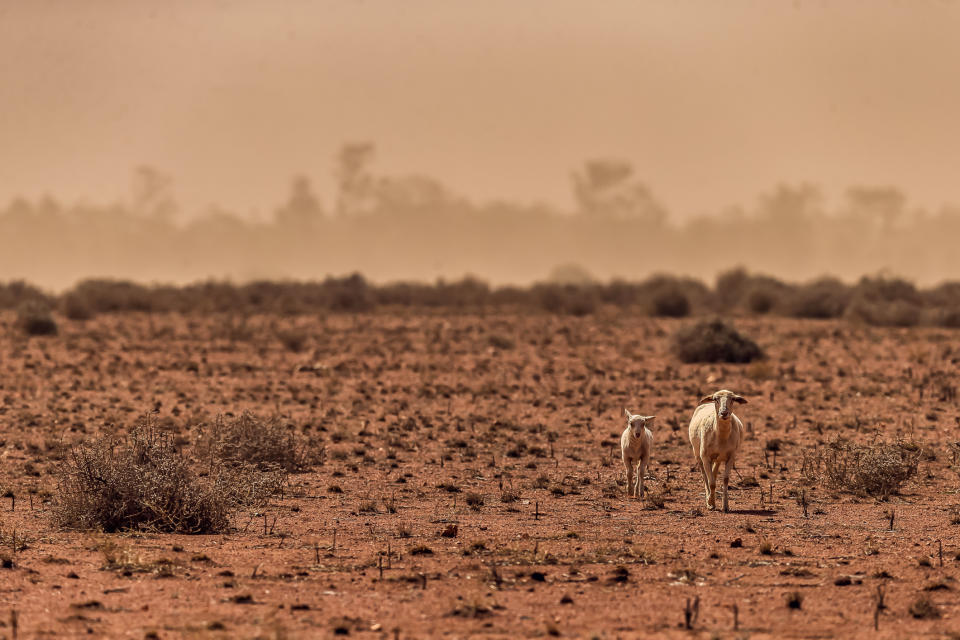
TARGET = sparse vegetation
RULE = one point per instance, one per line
(924, 608)
(34, 318)
(714, 341)
(144, 482)
(476, 454)
(248, 439)
(877, 470)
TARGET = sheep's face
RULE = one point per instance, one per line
(723, 400)
(637, 423)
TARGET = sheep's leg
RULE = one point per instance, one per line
(711, 485)
(706, 481)
(726, 484)
(627, 464)
(712, 489)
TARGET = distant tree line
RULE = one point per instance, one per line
(413, 228)
(876, 301)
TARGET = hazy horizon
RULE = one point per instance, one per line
(793, 138)
(713, 103)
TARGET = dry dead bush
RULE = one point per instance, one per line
(265, 443)
(714, 341)
(34, 318)
(924, 608)
(885, 313)
(574, 300)
(670, 303)
(823, 299)
(878, 470)
(13, 294)
(143, 482)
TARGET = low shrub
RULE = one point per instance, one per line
(144, 482)
(568, 299)
(714, 341)
(75, 307)
(13, 294)
(267, 444)
(34, 318)
(670, 302)
(878, 470)
(823, 299)
(893, 313)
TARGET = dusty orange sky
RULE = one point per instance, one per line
(714, 102)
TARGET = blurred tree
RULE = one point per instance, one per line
(607, 188)
(302, 209)
(882, 206)
(792, 205)
(355, 183)
(152, 194)
(411, 194)
(571, 273)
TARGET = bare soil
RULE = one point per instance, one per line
(501, 431)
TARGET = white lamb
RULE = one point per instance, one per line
(635, 445)
(715, 434)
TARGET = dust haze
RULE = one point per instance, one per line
(247, 141)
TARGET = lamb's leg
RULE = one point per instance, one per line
(643, 472)
(726, 484)
(627, 464)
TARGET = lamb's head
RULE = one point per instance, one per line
(723, 402)
(637, 423)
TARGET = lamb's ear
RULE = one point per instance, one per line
(706, 399)
(740, 399)
(648, 419)
(627, 413)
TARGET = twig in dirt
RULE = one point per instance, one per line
(879, 606)
(691, 612)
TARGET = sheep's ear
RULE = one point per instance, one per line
(740, 399)
(706, 399)
(649, 418)
(627, 413)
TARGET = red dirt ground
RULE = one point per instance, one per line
(420, 412)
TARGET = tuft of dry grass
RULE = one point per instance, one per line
(924, 608)
(34, 319)
(878, 470)
(714, 341)
(265, 443)
(144, 482)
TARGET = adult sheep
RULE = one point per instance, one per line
(715, 435)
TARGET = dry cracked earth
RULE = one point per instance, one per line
(466, 481)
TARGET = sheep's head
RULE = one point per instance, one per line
(637, 423)
(723, 401)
